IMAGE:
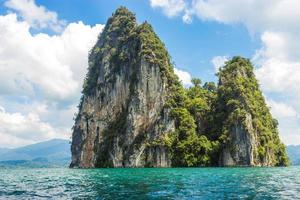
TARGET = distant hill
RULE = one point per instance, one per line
(294, 154)
(54, 152)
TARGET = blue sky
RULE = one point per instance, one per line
(192, 46)
(44, 46)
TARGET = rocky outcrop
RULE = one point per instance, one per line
(122, 109)
(242, 146)
(134, 112)
(249, 133)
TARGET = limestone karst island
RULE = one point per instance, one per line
(134, 111)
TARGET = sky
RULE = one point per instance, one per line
(45, 44)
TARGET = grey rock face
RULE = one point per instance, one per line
(125, 111)
(242, 150)
(141, 118)
(242, 147)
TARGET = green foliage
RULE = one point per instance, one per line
(210, 86)
(154, 51)
(196, 82)
(114, 36)
(188, 149)
(238, 95)
(188, 145)
(204, 117)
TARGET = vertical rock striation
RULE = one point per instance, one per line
(122, 106)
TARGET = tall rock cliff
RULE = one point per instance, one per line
(123, 104)
(134, 112)
(248, 131)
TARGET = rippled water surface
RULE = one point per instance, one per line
(184, 183)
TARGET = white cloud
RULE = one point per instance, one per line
(41, 75)
(218, 62)
(17, 129)
(37, 16)
(187, 18)
(282, 110)
(170, 7)
(54, 64)
(289, 121)
(280, 63)
(280, 76)
(273, 14)
(184, 77)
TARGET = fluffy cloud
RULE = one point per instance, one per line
(41, 75)
(170, 7)
(37, 16)
(273, 14)
(282, 110)
(53, 64)
(289, 119)
(280, 63)
(184, 77)
(278, 60)
(279, 74)
(17, 129)
(218, 62)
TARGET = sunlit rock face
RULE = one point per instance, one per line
(122, 107)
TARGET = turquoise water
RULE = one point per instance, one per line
(184, 183)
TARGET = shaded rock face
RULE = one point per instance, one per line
(124, 108)
(250, 131)
(242, 146)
